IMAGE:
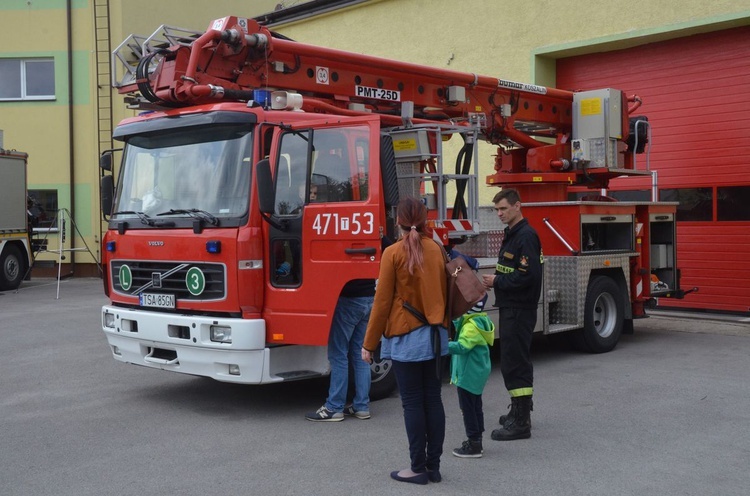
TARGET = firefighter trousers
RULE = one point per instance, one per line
(516, 330)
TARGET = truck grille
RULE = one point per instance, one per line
(169, 278)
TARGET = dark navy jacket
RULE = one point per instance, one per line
(519, 267)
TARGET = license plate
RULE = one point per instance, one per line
(157, 300)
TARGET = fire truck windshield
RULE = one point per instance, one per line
(199, 169)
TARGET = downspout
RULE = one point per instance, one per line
(71, 141)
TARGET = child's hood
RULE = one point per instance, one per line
(483, 324)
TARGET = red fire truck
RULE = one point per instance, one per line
(263, 173)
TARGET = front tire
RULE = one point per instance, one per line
(604, 315)
(383, 378)
(12, 268)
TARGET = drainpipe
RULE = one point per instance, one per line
(71, 141)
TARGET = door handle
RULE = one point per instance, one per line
(358, 251)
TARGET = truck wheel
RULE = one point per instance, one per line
(603, 316)
(12, 268)
(382, 376)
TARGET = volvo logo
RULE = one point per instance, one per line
(156, 243)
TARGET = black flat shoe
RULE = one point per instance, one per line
(421, 479)
(434, 475)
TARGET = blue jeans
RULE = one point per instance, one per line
(345, 345)
(424, 415)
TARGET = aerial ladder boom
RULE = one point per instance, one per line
(530, 124)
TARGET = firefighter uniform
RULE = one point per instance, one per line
(517, 285)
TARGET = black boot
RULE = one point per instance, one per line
(517, 426)
(512, 413)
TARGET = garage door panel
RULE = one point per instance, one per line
(729, 99)
(696, 94)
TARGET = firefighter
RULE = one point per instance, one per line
(517, 283)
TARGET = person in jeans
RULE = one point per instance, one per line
(470, 369)
(412, 281)
(344, 346)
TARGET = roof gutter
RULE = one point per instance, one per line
(71, 141)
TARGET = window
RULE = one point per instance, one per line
(696, 204)
(340, 168)
(338, 174)
(362, 149)
(285, 259)
(42, 207)
(732, 203)
(27, 79)
(189, 168)
(291, 173)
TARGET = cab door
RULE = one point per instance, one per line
(328, 217)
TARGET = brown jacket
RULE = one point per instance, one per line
(424, 290)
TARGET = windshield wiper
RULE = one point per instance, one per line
(145, 219)
(196, 213)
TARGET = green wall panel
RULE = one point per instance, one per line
(41, 4)
(83, 209)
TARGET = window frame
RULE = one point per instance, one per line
(24, 96)
(49, 201)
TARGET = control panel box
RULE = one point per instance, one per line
(597, 127)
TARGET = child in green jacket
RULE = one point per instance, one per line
(470, 368)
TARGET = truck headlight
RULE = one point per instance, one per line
(221, 334)
(109, 320)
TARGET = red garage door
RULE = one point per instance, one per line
(696, 94)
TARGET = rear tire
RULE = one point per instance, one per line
(603, 317)
(12, 268)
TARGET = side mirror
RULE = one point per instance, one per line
(105, 161)
(265, 186)
(107, 190)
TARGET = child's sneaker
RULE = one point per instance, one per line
(323, 414)
(360, 414)
(469, 449)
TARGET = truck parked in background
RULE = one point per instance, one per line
(15, 223)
